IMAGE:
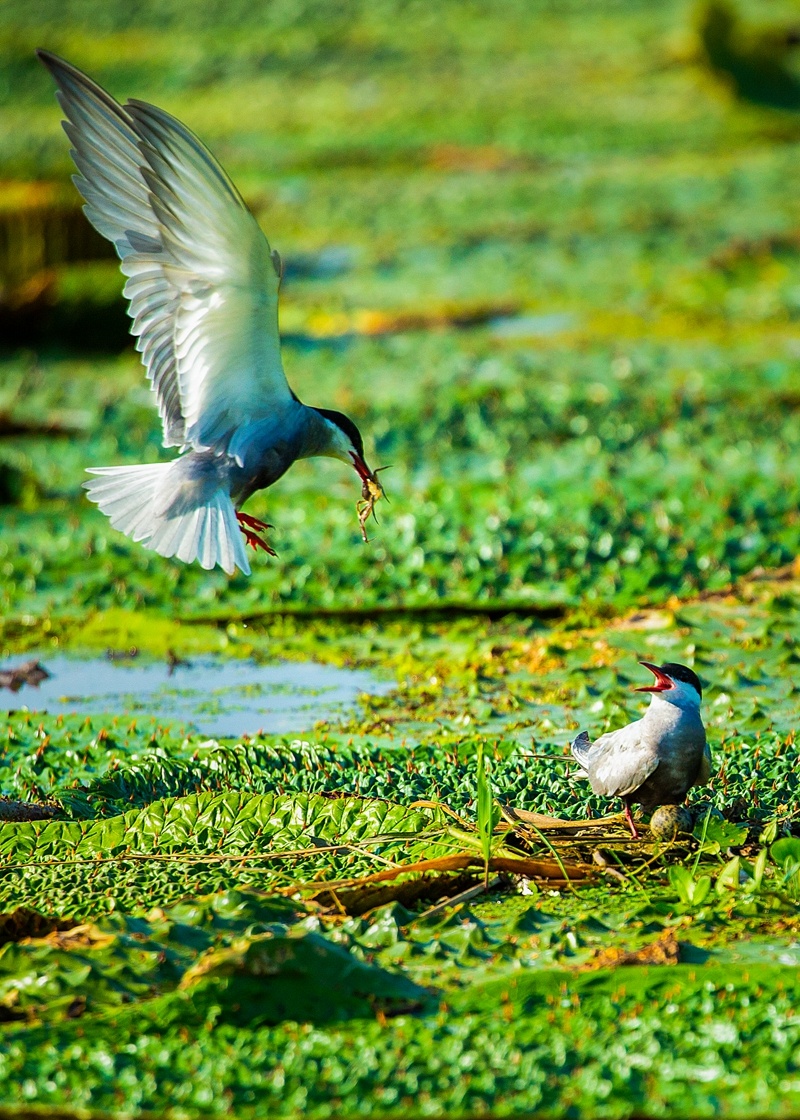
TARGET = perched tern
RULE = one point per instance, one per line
(203, 290)
(658, 758)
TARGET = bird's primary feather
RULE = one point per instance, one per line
(202, 282)
(581, 745)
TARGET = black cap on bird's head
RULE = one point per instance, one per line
(352, 440)
(347, 426)
(343, 441)
(667, 674)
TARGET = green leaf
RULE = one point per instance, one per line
(769, 832)
(682, 882)
(786, 852)
(759, 867)
(691, 891)
(728, 878)
(719, 834)
(69, 861)
(306, 978)
(700, 890)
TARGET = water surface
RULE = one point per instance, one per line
(210, 695)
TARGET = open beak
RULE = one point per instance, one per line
(662, 682)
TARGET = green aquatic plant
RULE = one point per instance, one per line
(570, 322)
(786, 855)
(692, 889)
(488, 812)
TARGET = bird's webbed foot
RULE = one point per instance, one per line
(253, 527)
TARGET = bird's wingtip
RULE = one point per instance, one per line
(581, 742)
(47, 58)
(59, 67)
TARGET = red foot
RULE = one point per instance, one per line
(253, 522)
(629, 819)
(252, 527)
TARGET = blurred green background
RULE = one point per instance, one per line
(547, 255)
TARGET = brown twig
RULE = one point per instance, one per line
(219, 857)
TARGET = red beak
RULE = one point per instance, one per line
(364, 472)
(663, 682)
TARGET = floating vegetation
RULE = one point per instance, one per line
(411, 907)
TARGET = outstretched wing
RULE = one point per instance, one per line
(618, 763)
(203, 282)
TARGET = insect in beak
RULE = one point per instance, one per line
(371, 492)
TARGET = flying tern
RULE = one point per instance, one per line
(203, 296)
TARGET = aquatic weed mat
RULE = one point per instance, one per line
(569, 323)
(519, 479)
(524, 687)
(189, 932)
(388, 1018)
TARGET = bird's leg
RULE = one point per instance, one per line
(629, 819)
(253, 527)
(256, 542)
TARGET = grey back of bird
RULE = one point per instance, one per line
(653, 761)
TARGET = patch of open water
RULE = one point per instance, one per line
(213, 696)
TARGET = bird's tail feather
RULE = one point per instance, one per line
(202, 526)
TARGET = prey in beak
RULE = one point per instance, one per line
(371, 492)
(662, 682)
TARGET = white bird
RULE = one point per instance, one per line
(657, 759)
(203, 289)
